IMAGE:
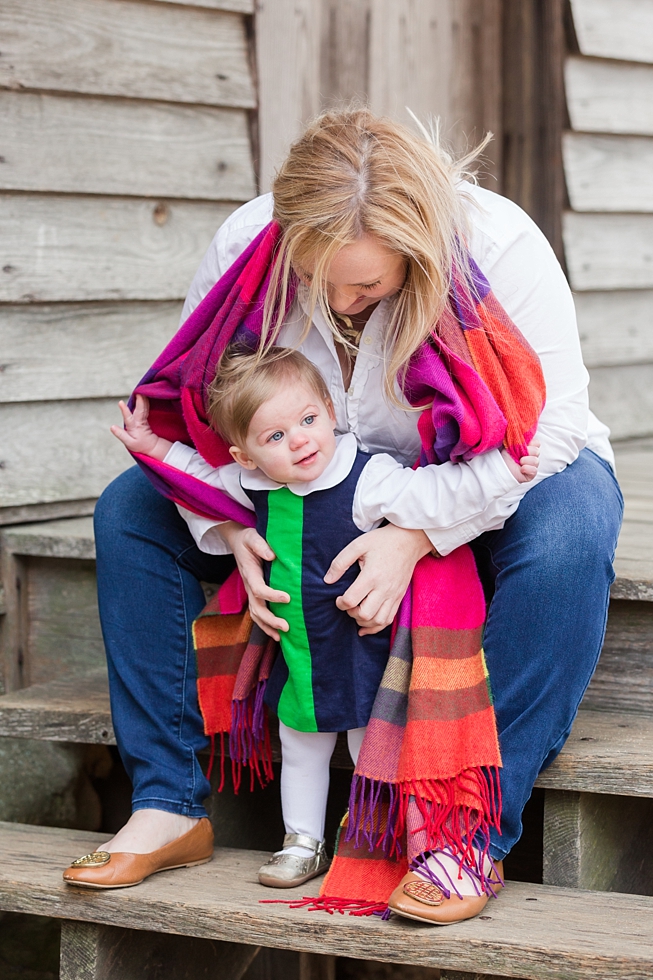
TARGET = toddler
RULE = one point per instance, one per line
(312, 493)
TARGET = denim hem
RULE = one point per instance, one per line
(169, 806)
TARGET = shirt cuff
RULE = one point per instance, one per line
(179, 455)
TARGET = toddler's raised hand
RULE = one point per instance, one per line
(526, 469)
(137, 435)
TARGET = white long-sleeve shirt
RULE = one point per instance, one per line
(527, 280)
(385, 489)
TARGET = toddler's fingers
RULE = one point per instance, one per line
(120, 434)
(126, 414)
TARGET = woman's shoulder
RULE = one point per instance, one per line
(243, 225)
(495, 223)
(232, 237)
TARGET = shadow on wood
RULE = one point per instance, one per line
(94, 952)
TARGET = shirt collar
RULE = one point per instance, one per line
(339, 467)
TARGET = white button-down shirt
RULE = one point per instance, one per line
(527, 280)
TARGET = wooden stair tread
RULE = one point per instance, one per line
(536, 932)
(607, 752)
(66, 538)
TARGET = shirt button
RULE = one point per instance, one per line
(368, 340)
(350, 391)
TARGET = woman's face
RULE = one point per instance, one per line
(360, 274)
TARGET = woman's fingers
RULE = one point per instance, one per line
(344, 560)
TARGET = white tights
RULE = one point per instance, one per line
(305, 778)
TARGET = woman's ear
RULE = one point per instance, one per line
(242, 458)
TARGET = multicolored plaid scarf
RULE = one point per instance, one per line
(427, 775)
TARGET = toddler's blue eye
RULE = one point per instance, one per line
(276, 436)
(309, 419)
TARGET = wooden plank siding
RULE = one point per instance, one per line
(80, 350)
(437, 57)
(609, 173)
(621, 29)
(609, 96)
(58, 450)
(615, 327)
(118, 146)
(69, 248)
(126, 140)
(118, 47)
(608, 233)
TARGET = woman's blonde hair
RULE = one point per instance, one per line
(244, 380)
(352, 174)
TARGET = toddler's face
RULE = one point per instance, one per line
(290, 437)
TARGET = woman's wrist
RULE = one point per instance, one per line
(230, 530)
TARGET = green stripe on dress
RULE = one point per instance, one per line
(284, 533)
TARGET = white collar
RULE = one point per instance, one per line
(339, 468)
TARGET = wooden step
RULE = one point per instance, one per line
(535, 932)
(607, 752)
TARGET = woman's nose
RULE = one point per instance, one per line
(339, 300)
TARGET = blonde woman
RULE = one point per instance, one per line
(373, 222)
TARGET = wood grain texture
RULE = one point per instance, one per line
(620, 29)
(608, 752)
(80, 350)
(560, 936)
(609, 173)
(46, 512)
(615, 327)
(94, 952)
(70, 709)
(239, 6)
(92, 248)
(114, 146)
(598, 842)
(115, 47)
(609, 96)
(58, 451)
(72, 538)
(634, 562)
(438, 57)
(63, 635)
(622, 397)
(624, 677)
(289, 85)
(533, 111)
(609, 251)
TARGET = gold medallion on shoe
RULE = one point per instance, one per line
(94, 860)
(424, 892)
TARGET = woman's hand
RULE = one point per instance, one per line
(387, 558)
(250, 550)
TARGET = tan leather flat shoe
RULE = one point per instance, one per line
(419, 899)
(122, 870)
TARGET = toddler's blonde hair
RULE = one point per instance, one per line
(244, 380)
(353, 174)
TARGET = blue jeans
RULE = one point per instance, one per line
(547, 575)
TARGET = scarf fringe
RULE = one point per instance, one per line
(249, 740)
(331, 904)
(447, 822)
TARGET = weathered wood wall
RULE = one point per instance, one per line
(125, 142)
(437, 57)
(608, 230)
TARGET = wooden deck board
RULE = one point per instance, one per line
(531, 931)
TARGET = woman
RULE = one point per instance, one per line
(373, 219)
